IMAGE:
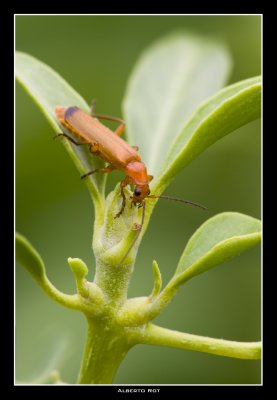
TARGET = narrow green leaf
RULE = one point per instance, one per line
(157, 280)
(216, 241)
(46, 86)
(48, 89)
(78, 267)
(27, 256)
(170, 80)
(229, 109)
(80, 271)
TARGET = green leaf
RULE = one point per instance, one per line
(27, 255)
(157, 280)
(216, 241)
(229, 109)
(29, 258)
(170, 80)
(48, 89)
(78, 267)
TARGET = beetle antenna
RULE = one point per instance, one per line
(176, 199)
(138, 228)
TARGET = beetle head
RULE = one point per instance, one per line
(140, 192)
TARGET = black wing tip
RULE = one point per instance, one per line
(70, 111)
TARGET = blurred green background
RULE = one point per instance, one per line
(95, 54)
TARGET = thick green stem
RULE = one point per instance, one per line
(105, 348)
(156, 335)
(114, 282)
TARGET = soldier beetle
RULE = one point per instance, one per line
(119, 155)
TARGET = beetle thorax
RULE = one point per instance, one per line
(136, 170)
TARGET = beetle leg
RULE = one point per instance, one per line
(94, 148)
(93, 106)
(69, 138)
(107, 169)
(120, 129)
(123, 183)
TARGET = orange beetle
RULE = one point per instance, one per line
(109, 147)
(116, 152)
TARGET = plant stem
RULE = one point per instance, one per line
(156, 335)
(105, 348)
(114, 282)
(67, 300)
